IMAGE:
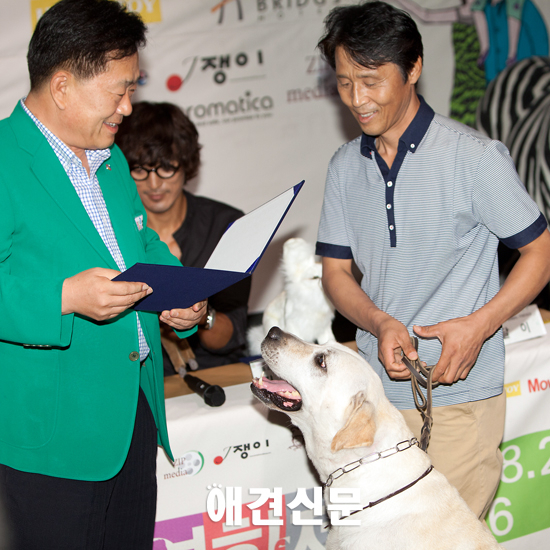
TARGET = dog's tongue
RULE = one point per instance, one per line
(278, 386)
(280, 393)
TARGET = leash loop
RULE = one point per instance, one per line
(422, 376)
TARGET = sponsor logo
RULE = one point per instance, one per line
(282, 5)
(143, 78)
(175, 81)
(244, 451)
(241, 66)
(38, 8)
(307, 94)
(325, 85)
(538, 385)
(148, 9)
(233, 10)
(244, 107)
(220, 69)
(220, 64)
(220, 9)
(513, 389)
(190, 464)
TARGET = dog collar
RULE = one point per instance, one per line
(372, 457)
(395, 493)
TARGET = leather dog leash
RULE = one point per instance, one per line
(422, 376)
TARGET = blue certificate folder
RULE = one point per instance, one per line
(234, 258)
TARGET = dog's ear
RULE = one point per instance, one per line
(359, 428)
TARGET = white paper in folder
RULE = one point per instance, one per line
(243, 244)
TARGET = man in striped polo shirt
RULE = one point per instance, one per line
(419, 202)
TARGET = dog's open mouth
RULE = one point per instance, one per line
(280, 393)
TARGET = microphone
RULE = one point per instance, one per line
(214, 396)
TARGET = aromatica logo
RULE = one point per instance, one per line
(244, 107)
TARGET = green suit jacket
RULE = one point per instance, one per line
(68, 385)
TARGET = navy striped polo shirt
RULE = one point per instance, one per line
(424, 235)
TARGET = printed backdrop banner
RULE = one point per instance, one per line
(248, 74)
(520, 515)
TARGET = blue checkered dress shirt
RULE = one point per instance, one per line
(89, 192)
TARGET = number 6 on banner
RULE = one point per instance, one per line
(494, 516)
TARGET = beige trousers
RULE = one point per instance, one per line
(464, 446)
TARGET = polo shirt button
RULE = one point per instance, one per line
(412, 145)
(390, 183)
(388, 206)
(391, 227)
(134, 356)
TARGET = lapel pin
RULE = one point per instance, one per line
(108, 166)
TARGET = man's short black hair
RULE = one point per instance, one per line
(372, 34)
(159, 134)
(82, 36)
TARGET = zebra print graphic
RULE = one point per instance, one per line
(516, 110)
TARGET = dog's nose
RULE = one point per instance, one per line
(275, 333)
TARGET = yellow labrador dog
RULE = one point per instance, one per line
(357, 439)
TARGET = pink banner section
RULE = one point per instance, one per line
(199, 532)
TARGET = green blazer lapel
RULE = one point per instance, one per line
(52, 176)
(121, 211)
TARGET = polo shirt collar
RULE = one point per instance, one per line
(411, 137)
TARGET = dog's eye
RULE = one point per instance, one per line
(320, 361)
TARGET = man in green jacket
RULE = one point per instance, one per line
(81, 387)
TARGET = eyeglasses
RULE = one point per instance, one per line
(140, 173)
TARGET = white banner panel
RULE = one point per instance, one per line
(520, 515)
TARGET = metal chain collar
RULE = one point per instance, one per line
(372, 457)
